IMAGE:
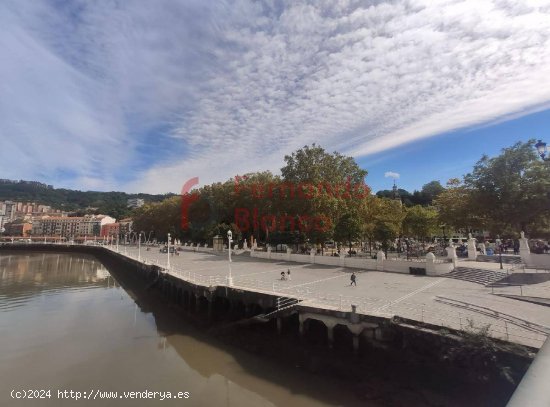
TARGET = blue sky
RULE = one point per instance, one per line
(142, 96)
(451, 154)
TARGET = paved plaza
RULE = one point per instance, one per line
(421, 298)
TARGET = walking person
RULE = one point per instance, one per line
(288, 275)
(283, 277)
(353, 279)
(516, 247)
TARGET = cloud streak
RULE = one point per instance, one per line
(143, 96)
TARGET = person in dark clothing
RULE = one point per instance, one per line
(353, 279)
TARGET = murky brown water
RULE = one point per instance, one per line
(66, 324)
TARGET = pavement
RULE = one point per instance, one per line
(376, 293)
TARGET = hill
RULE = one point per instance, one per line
(79, 202)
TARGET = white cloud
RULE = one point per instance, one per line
(229, 88)
(391, 174)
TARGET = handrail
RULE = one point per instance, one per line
(533, 388)
(307, 294)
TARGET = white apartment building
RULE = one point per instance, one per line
(135, 203)
(88, 225)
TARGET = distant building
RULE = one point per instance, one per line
(126, 226)
(18, 210)
(135, 203)
(18, 228)
(9, 210)
(110, 229)
(395, 193)
(88, 225)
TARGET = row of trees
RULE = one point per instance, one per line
(321, 196)
(503, 195)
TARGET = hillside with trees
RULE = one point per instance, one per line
(110, 203)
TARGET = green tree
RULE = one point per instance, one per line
(455, 208)
(348, 228)
(510, 192)
(160, 219)
(326, 185)
(420, 222)
(386, 221)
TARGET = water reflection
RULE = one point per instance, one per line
(23, 276)
(67, 324)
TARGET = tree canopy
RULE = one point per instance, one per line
(322, 196)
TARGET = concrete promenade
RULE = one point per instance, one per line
(428, 299)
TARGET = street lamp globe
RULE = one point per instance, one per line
(541, 149)
(230, 239)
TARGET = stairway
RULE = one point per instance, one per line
(475, 275)
(506, 259)
(284, 304)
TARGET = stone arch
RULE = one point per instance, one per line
(202, 303)
(342, 338)
(316, 332)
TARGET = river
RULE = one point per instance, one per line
(67, 325)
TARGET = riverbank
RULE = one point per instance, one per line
(409, 364)
(430, 369)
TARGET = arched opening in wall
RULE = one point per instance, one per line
(238, 310)
(202, 304)
(174, 293)
(343, 338)
(221, 305)
(255, 309)
(366, 347)
(186, 298)
(292, 325)
(316, 333)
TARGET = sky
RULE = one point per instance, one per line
(140, 96)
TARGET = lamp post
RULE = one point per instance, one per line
(499, 251)
(168, 253)
(542, 150)
(139, 246)
(230, 239)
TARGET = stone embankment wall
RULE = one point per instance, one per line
(449, 355)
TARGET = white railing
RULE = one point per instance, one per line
(309, 294)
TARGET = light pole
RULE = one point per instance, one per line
(139, 246)
(168, 253)
(499, 251)
(542, 150)
(117, 239)
(230, 239)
